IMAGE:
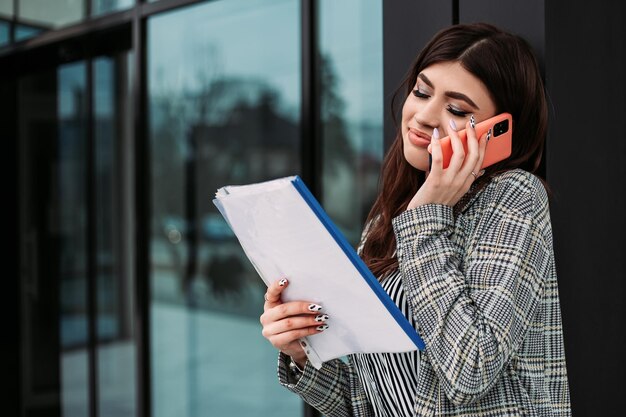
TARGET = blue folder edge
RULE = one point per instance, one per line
(358, 263)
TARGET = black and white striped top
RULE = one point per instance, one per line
(390, 379)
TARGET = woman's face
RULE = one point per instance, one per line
(441, 92)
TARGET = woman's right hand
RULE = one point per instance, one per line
(447, 186)
(285, 323)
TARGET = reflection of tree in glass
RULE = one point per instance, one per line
(226, 131)
(226, 275)
(337, 148)
(350, 171)
(243, 138)
(234, 130)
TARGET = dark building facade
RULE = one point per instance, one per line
(131, 297)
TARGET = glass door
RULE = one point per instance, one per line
(224, 82)
(76, 283)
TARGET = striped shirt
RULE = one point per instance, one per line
(390, 379)
(480, 282)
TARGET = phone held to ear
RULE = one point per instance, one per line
(499, 146)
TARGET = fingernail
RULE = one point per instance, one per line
(321, 317)
(314, 307)
(435, 133)
(482, 171)
(453, 125)
(472, 121)
(488, 135)
(322, 327)
(282, 282)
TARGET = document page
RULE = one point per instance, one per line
(284, 238)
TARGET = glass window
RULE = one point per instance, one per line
(55, 175)
(6, 14)
(114, 243)
(100, 7)
(224, 97)
(6, 8)
(351, 83)
(70, 183)
(43, 241)
(23, 32)
(4, 33)
(37, 16)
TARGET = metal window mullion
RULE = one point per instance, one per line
(123, 253)
(455, 12)
(310, 149)
(142, 215)
(92, 245)
(12, 27)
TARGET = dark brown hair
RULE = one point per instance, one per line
(507, 66)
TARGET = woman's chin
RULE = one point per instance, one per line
(420, 166)
(417, 158)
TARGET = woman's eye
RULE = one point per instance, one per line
(420, 94)
(457, 112)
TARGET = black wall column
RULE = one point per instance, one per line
(10, 348)
(407, 27)
(586, 162)
(526, 18)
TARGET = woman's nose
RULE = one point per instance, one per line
(428, 115)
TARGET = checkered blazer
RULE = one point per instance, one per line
(481, 285)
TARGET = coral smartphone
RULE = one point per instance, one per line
(499, 146)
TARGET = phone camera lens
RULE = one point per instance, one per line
(501, 128)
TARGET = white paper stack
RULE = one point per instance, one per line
(286, 234)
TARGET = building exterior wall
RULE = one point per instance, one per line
(130, 297)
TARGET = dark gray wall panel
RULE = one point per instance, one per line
(586, 160)
(525, 18)
(407, 27)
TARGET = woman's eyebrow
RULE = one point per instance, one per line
(461, 96)
(426, 80)
(451, 94)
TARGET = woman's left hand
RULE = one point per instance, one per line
(447, 186)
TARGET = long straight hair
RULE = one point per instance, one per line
(508, 68)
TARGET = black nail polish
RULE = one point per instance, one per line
(322, 327)
(321, 317)
(488, 135)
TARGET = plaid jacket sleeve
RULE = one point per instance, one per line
(334, 390)
(473, 301)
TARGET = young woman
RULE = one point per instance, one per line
(465, 253)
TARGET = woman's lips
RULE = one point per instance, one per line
(418, 138)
